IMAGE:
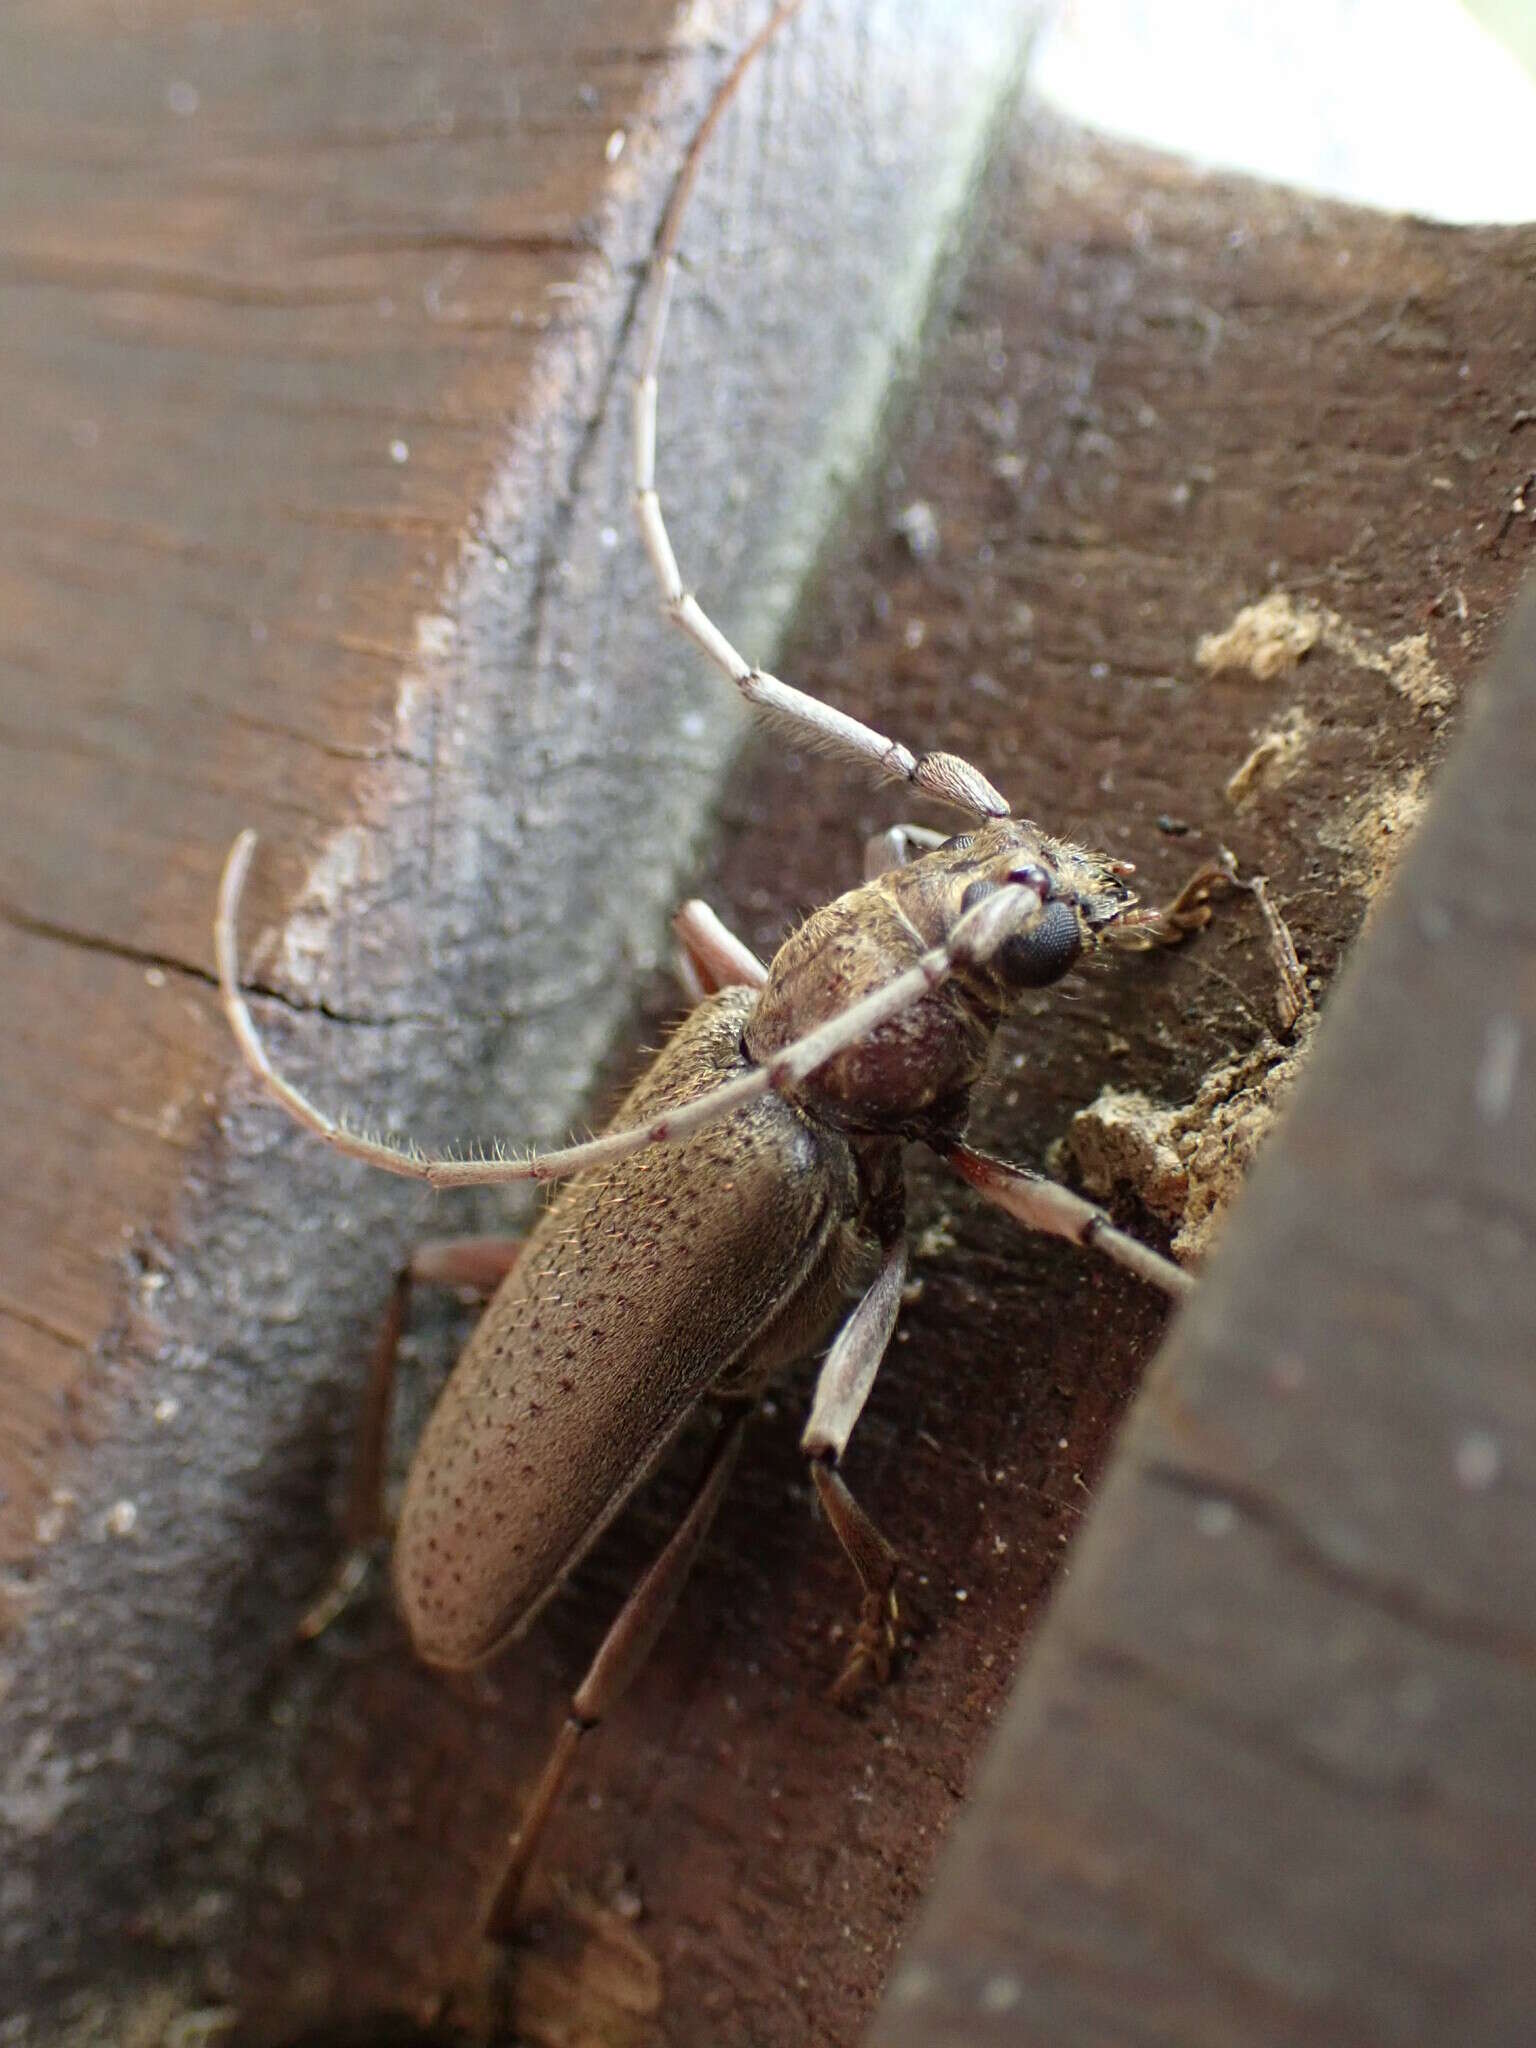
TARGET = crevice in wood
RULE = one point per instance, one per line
(96, 942)
(84, 273)
(1397, 1598)
(31, 1320)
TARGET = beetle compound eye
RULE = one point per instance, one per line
(1033, 958)
(978, 892)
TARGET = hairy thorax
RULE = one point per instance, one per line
(912, 1076)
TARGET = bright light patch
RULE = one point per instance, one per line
(1405, 104)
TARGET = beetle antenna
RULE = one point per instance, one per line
(803, 719)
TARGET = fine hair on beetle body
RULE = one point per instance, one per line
(641, 1296)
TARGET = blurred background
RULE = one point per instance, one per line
(1426, 106)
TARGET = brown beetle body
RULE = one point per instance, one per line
(750, 1183)
(709, 1266)
(705, 1266)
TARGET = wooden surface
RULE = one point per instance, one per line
(1267, 1776)
(315, 330)
(303, 321)
(239, 278)
(1158, 396)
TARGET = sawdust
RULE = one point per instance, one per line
(1266, 638)
(1187, 1163)
(1270, 638)
(583, 1979)
(1373, 831)
(1415, 674)
(1274, 757)
(936, 1239)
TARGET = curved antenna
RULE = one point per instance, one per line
(972, 938)
(803, 718)
(1034, 1201)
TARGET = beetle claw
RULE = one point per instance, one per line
(870, 1659)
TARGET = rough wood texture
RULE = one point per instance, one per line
(1159, 396)
(1267, 1776)
(267, 302)
(311, 328)
(316, 331)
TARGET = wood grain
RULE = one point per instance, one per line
(270, 296)
(1267, 1778)
(1155, 395)
(315, 332)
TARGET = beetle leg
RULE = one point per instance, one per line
(848, 1371)
(875, 1561)
(842, 1388)
(896, 847)
(629, 1641)
(1169, 924)
(1172, 922)
(1293, 998)
(1043, 1204)
(712, 955)
(480, 1263)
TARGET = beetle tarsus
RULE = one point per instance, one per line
(875, 1561)
(872, 1656)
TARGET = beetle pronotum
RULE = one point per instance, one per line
(642, 1293)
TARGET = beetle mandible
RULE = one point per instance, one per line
(641, 1293)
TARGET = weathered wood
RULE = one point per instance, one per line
(1267, 1776)
(1121, 439)
(245, 267)
(313, 465)
(1161, 394)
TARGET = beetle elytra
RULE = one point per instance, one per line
(747, 1187)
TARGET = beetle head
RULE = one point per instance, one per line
(1060, 897)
